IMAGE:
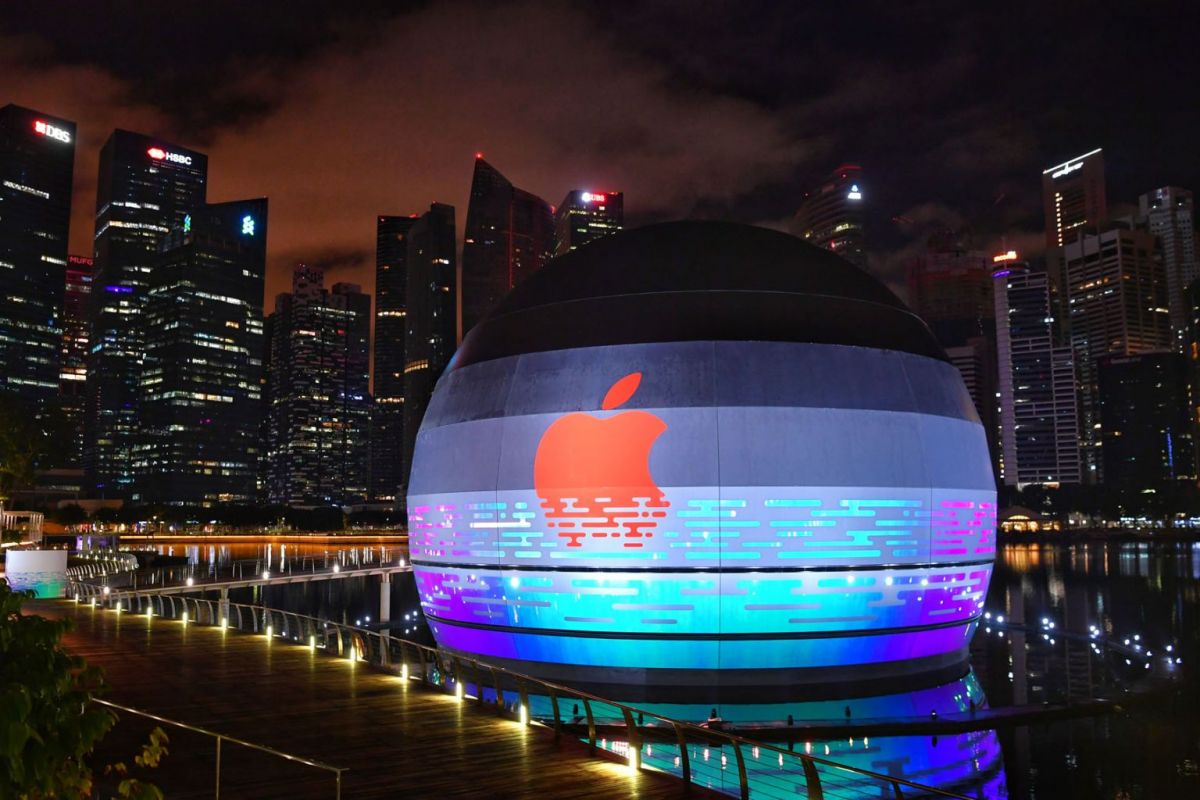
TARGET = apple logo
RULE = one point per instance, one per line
(592, 473)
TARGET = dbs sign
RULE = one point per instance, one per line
(592, 472)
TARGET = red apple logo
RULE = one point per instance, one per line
(592, 473)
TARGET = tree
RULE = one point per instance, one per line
(48, 724)
(68, 515)
(20, 446)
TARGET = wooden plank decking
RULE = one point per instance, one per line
(397, 740)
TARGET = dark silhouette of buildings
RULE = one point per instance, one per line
(509, 235)
(432, 322)
(585, 216)
(831, 216)
(391, 308)
(1146, 417)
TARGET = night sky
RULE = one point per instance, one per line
(341, 111)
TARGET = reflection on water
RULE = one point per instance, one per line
(1122, 590)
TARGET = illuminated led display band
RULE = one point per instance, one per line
(704, 505)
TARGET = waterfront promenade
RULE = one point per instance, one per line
(395, 737)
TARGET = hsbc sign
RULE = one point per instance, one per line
(158, 154)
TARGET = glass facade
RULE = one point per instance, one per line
(37, 159)
(585, 216)
(509, 235)
(832, 216)
(432, 319)
(318, 401)
(200, 387)
(146, 188)
(391, 307)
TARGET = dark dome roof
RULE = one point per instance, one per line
(695, 280)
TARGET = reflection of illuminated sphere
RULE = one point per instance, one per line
(696, 448)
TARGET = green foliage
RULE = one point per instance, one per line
(31, 438)
(152, 753)
(20, 445)
(47, 723)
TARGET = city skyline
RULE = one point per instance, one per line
(744, 146)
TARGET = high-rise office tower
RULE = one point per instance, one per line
(1117, 300)
(831, 216)
(145, 189)
(72, 376)
(1073, 198)
(200, 398)
(509, 235)
(318, 404)
(391, 308)
(584, 216)
(429, 340)
(1169, 212)
(37, 161)
(1146, 416)
(1039, 431)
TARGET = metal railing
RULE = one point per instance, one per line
(457, 674)
(102, 579)
(221, 737)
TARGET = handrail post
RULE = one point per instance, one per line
(635, 740)
(338, 795)
(685, 761)
(743, 783)
(899, 792)
(217, 789)
(812, 779)
(587, 707)
(499, 691)
(523, 699)
(557, 719)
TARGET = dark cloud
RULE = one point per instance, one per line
(341, 112)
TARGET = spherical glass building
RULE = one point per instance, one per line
(703, 454)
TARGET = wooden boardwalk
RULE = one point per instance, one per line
(397, 739)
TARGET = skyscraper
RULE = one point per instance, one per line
(509, 235)
(1039, 432)
(318, 404)
(1169, 212)
(1117, 300)
(391, 308)
(950, 287)
(429, 339)
(1144, 408)
(146, 187)
(200, 388)
(584, 216)
(1073, 198)
(72, 376)
(831, 216)
(37, 161)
